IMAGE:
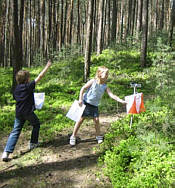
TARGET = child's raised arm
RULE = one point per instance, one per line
(42, 73)
(114, 96)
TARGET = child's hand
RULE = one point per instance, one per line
(80, 102)
(49, 63)
(124, 102)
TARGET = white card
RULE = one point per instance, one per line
(75, 112)
(39, 100)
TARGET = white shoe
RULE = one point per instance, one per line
(99, 139)
(33, 145)
(72, 141)
(5, 156)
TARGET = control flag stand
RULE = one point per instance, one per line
(134, 85)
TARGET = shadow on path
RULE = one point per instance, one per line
(77, 163)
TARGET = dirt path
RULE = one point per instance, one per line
(56, 164)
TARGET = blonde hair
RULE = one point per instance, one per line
(99, 71)
(22, 76)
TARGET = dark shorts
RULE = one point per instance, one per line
(90, 110)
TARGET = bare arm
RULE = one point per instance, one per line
(42, 73)
(86, 86)
(114, 96)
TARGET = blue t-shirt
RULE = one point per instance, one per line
(24, 97)
(94, 93)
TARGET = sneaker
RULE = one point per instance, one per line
(33, 145)
(5, 156)
(99, 139)
(72, 141)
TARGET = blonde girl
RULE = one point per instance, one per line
(95, 89)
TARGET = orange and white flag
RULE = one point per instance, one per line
(135, 103)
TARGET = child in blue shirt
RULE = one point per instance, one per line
(25, 106)
(91, 98)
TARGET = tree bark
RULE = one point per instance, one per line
(78, 22)
(100, 27)
(18, 54)
(144, 33)
(114, 21)
(5, 54)
(139, 20)
(162, 16)
(88, 47)
(172, 22)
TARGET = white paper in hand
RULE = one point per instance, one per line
(39, 100)
(75, 112)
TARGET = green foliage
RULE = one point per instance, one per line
(142, 155)
(134, 164)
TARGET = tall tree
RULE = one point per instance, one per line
(121, 21)
(139, 20)
(162, 15)
(78, 21)
(108, 20)
(100, 27)
(18, 28)
(172, 21)
(128, 29)
(70, 22)
(144, 33)
(114, 21)
(5, 34)
(61, 25)
(88, 47)
(65, 21)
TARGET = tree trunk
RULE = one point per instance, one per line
(133, 17)
(114, 21)
(162, 16)
(71, 21)
(38, 26)
(128, 29)
(144, 33)
(139, 20)
(18, 55)
(78, 21)
(108, 20)
(30, 34)
(121, 22)
(5, 35)
(172, 22)
(100, 27)
(88, 41)
(65, 22)
(61, 24)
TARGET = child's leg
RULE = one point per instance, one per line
(99, 138)
(34, 121)
(77, 126)
(14, 135)
(97, 125)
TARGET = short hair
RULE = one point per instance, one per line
(100, 70)
(22, 76)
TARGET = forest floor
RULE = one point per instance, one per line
(56, 164)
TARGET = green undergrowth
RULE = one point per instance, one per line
(63, 82)
(142, 154)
